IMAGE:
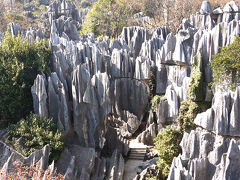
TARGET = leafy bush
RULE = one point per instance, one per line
(152, 178)
(167, 144)
(187, 113)
(34, 133)
(195, 103)
(152, 84)
(195, 90)
(226, 65)
(14, 16)
(20, 62)
(107, 17)
(155, 102)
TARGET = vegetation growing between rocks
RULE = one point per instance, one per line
(195, 89)
(155, 102)
(187, 113)
(152, 84)
(226, 65)
(34, 133)
(20, 62)
(195, 102)
(167, 144)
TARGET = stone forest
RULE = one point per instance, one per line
(92, 90)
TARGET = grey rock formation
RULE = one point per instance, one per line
(206, 8)
(76, 162)
(223, 117)
(58, 102)
(9, 156)
(134, 37)
(39, 93)
(148, 135)
(208, 153)
(131, 95)
(149, 171)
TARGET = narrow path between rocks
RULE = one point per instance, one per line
(135, 157)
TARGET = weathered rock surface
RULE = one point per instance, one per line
(9, 156)
(211, 152)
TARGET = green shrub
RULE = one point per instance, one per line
(107, 17)
(14, 17)
(152, 178)
(20, 62)
(167, 144)
(195, 90)
(155, 102)
(226, 65)
(35, 132)
(152, 84)
(187, 113)
(195, 103)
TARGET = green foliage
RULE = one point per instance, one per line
(152, 178)
(35, 132)
(195, 103)
(155, 102)
(167, 144)
(187, 113)
(152, 84)
(195, 91)
(14, 16)
(20, 62)
(107, 17)
(101, 37)
(226, 65)
(43, 8)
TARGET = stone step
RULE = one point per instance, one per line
(140, 151)
(137, 152)
(136, 157)
(138, 148)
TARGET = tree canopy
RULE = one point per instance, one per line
(107, 17)
(20, 62)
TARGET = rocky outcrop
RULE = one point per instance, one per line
(206, 156)
(207, 152)
(9, 156)
(39, 94)
(223, 117)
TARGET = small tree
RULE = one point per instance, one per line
(226, 65)
(170, 12)
(107, 17)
